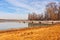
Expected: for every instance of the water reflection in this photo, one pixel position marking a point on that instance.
(37, 25)
(17, 25)
(12, 25)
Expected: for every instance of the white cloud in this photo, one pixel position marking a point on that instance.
(19, 4)
(12, 16)
(14, 8)
(40, 5)
(34, 6)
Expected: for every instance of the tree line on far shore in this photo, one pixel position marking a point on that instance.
(52, 12)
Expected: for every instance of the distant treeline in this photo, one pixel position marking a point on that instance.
(52, 12)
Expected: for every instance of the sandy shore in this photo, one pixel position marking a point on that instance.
(35, 33)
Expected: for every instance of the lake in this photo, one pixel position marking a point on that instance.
(18, 25)
(12, 25)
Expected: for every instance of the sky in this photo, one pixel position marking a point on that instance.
(19, 9)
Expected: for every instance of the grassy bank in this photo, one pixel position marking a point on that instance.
(51, 32)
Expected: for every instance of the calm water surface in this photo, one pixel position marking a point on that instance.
(17, 25)
(12, 25)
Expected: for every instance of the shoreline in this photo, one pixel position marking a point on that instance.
(27, 28)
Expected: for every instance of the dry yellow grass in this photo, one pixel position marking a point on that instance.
(49, 33)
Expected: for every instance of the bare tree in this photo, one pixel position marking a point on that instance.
(35, 16)
(59, 11)
(51, 10)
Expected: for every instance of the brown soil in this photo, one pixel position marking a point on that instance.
(34, 33)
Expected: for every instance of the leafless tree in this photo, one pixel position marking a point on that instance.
(59, 11)
(51, 10)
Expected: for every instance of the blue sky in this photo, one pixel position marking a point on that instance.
(19, 9)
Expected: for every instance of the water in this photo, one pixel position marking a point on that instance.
(37, 25)
(12, 25)
(17, 25)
